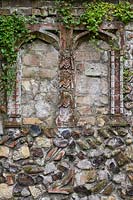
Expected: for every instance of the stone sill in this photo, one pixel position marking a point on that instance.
(12, 125)
(118, 121)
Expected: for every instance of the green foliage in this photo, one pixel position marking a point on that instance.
(94, 14)
(123, 12)
(65, 15)
(12, 29)
(127, 74)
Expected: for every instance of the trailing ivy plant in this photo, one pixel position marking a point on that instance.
(94, 14)
(12, 29)
(65, 13)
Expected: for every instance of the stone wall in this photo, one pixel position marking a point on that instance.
(128, 65)
(68, 133)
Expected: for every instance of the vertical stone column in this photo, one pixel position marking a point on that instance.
(116, 86)
(112, 82)
(66, 116)
(14, 102)
(117, 75)
(117, 83)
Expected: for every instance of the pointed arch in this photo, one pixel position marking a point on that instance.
(45, 36)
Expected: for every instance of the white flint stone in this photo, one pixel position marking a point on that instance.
(84, 164)
(5, 191)
(43, 142)
(49, 168)
(36, 191)
(42, 109)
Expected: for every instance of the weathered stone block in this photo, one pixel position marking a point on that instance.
(52, 11)
(22, 153)
(30, 72)
(4, 152)
(47, 73)
(5, 191)
(31, 60)
(26, 85)
(95, 69)
(86, 176)
(87, 85)
(36, 191)
(33, 121)
(43, 142)
(87, 56)
(86, 120)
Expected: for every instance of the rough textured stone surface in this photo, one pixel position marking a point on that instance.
(43, 142)
(22, 153)
(4, 151)
(36, 191)
(1, 127)
(5, 191)
(71, 145)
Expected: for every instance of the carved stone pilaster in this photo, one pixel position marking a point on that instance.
(66, 90)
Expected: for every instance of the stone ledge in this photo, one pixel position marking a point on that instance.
(30, 121)
(12, 125)
(118, 121)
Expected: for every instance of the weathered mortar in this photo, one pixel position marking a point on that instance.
(91, 160)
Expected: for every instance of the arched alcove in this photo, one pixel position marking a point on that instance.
(39, 62)
(35, 97)
(92, 62)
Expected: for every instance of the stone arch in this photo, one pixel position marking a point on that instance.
(86, 33)
(45, 36)
(114, 73)
(14, 103)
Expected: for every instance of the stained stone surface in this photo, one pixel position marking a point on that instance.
(91, 160)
